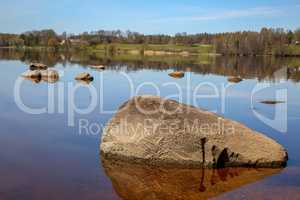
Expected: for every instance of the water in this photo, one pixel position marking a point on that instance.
(50, 155)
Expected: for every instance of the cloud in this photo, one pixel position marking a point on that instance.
(251, 12)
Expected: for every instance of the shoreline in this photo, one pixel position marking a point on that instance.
(135, 50)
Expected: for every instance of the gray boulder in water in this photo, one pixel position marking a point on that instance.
(156, 131)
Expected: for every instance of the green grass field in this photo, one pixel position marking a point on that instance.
(193, 49)
(294, 50)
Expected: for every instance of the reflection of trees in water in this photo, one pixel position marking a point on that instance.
(246, 67)
(294, 73)
(50, 58)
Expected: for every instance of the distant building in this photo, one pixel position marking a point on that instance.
(297, 43)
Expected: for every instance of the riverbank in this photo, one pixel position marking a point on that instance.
(161, 50)
(181, 50)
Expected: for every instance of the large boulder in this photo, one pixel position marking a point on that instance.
(156, 131)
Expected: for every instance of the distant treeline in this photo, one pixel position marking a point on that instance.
(278, 41)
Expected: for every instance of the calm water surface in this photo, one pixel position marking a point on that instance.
(43, 157)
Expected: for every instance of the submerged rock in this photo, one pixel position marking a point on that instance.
(156, 131)
(84, 76)
(177, 74)
(35, 66)
(235, 79)
(134, 182)
(271, 102)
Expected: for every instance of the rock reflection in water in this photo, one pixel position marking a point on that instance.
(132, 181)
(33, 79)
(46, 79)
(84, 82)
(50, 79)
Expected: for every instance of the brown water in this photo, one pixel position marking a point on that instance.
(42, 156)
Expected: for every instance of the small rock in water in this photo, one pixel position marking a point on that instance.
(177, 74)
(235, 79)
(36, 76)
(84, 76)
(40, 66)
(156, 131)
(98, 67)
(272, 102)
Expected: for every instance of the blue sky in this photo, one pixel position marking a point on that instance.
(148, 16)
